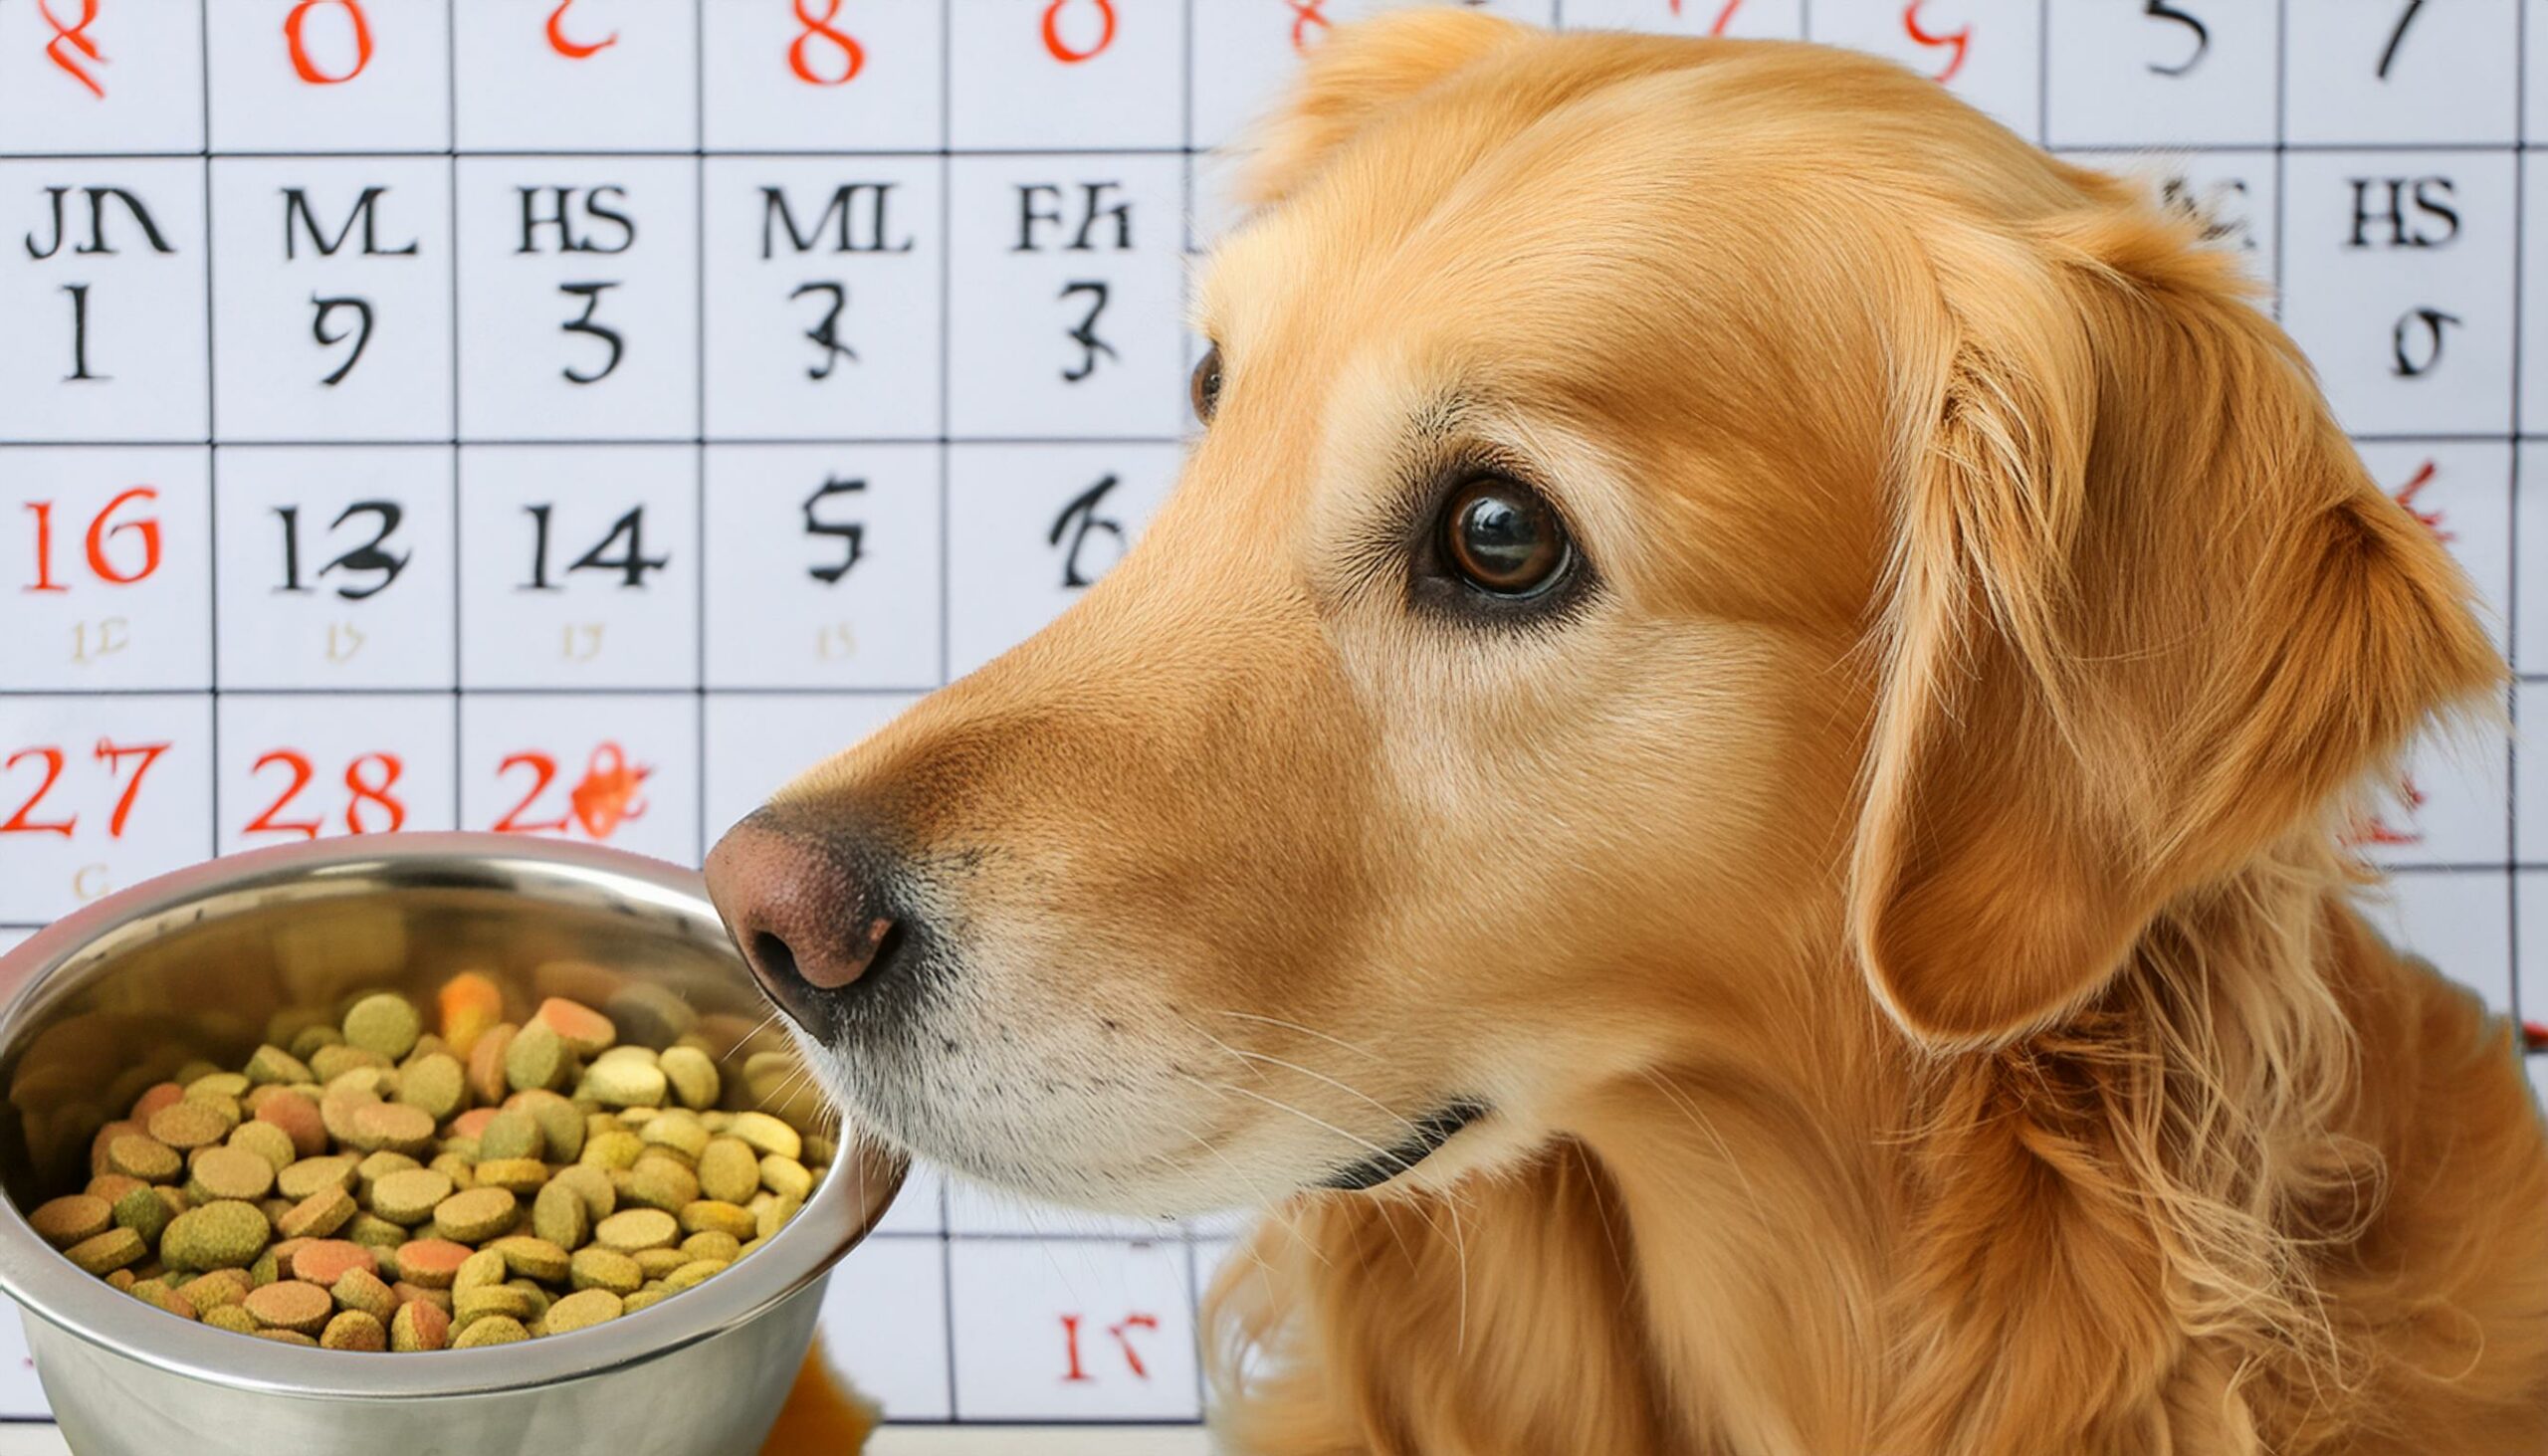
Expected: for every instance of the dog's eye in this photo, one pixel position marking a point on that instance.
(1205, 386)
(1503, 537)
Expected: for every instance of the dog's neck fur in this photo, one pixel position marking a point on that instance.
(2062, 1247)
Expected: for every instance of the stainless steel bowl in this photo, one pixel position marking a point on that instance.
(193, 963)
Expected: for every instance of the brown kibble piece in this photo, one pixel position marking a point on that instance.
(585, 1031)
(76, 1218)
(493, 1330)
(479, 1214)
(487, 1062)
(316, 1217)
(393, 1126)
(232, 1173)
(355, 1330)
(290, 1305)
(410, 1198)
(362, 1289)
(145, 1158)
(187, 1124)
(632, 1229)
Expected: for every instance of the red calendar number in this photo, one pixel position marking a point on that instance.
(304, 64)
(1078, 1371)
(1957, 42)
(53, 761)
(2406, 496)
(2376, 830)
(1308, 13)
(370, 782)
(846, 55)
(573, 49)
(73, 37)
(1724, 17)
(600, 801)
(1062, 49)
(110, 559)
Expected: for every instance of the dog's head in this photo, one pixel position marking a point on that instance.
(1688, 534)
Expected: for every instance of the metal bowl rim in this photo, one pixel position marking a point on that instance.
(49, 1287)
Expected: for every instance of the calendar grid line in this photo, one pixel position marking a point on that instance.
(945, 569)
(459, 527)
(698, 403)
(211, 471)
(2512, 541)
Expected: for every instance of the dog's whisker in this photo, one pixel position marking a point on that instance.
(1277, 1021)
(1349, 1091)
(1280, 1105)
(746, 1038)
(1689, 1108)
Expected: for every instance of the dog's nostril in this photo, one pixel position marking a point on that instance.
(776, 962)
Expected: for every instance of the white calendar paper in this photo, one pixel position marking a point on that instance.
(571, 418)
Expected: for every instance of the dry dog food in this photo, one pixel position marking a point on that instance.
(377, 1184)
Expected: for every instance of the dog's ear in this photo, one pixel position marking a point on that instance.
(2146, 612)
(1354, 76)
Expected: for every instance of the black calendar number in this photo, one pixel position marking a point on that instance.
(99, 242)
(342, 320)
(591, 293)
(621, 550)
(850, 534)
(1084, 332)
(2194, 30)
(2398, 37)
(2220, 206)
(1079, 521)
(370, 559)
(833, 295)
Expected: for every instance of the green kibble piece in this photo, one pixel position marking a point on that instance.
(156, 1293)
(709, 1244)
(538, 1058)
(768, 1135)
(625, 1082)
(538, 1297)
(693, 1075)
(477, 1215)
(533, 1258)
(558, 1215)
(435, 1083)
(641, 1300)
(266, 1140)
(600, 1268)
(273, 1066)
(233, 1317)
(661, 1183)
(385, 1025)
(512, 1132)
(266, 1269)
(317, 1176)
(562, 1124)
(229, 1086)
(682, 1132)
(332, 1062)
(786, 1177)
(728, 1170)
(355, 1330)
(115, 1249)
(492, 1330)
(582, 1310)
(375, 1232)
(480, 1270)
(137, 1155)
(600, 1195)
(208, 1292)
(75, 1219)
(410, 1195)
(617, 1148)
(223, 1235)
(656, 1263)
(633, 1229)
(488, 1299)
(362, 1289)
(310, 1041)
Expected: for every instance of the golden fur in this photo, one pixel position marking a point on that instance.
(1900, 922)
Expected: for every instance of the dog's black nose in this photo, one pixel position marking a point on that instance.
(804, 915)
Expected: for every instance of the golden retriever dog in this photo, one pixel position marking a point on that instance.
(1727, 787)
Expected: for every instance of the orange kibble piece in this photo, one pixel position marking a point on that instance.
(468, 1005)
(299, 1116)
(324, 1261)
(585, 1031)
(289, 1304)
(160, 1095)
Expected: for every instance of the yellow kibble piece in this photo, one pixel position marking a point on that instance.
(582, 1310)
(233, 1317)
(617, 1148)
(493, 1330)
(495, 1300)
(708, 1215)
(711, 1245)
(77, 1218)
(692, 1275)
(138, 1156)
(633, 1229)
(533, 1258)
(693, 1075)
(515, 1177)
(786, 1177)
(559, 1216)
(679, 1130)
(728, 1170)
(478, 1271)
(115, 1249)
(223, 1235)
(384, 1025)
(600, 1268)
(411, 1196)
(354, 1329)
(477, 1215)
(362, 1289)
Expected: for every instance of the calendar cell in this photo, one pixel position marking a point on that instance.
(922, 1206)
(824, 297)
(2461, 490)
(757, 742)
(306, 76)
(620, 769)
(582, 76)
(1034, 527)
(100, 76)
(825, 76)
(823, 566)
(2459, 919)
(332, 299)
(2401, 71)
(975, 1210)
(578, 298)
(2530, 784)
(2529, 536)
(1058, 75)
(102, 280)
(1989, 52)
(2232, 193)
(1073, 1330)
(1244, 57)
(2533, 343)
(579, 566)
(2126, 72)
(2398, 282)
(296, 767)
(98, 792)
(1773, 20)
(105, 568)
(337, 567)
(1065, 276)
(884, 1325)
